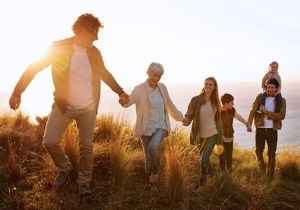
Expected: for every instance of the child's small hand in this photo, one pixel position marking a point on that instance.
(263, 108)
(249, 128)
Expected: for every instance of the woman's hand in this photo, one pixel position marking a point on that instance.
(185, 121)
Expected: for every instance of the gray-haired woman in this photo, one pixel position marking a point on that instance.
(153, 106)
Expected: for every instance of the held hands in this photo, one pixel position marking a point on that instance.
(14, 102)
(123, 99)
(185, 121)
(249, 128)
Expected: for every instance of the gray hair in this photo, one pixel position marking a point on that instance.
(155, 67)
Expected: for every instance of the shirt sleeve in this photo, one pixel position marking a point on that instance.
(240, 118)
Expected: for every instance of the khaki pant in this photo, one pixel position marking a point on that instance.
(55, 127)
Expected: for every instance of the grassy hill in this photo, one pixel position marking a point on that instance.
(27, 173)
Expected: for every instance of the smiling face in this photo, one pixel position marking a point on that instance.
(273, 68)
(154, 77)
(155, 71)
(271, 90)
(209, 86)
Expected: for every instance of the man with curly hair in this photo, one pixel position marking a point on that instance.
(267, 123)
(77, 72)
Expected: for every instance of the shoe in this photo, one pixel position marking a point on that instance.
(262, 166)
(203, 180)
(84, 191)
(85, 197)
(147, 187)
(270, 173)
(151, 187)
(198, 188)
(153, 179)
(85, 194)
(61, 178)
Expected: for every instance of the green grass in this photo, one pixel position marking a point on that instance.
(27, 172)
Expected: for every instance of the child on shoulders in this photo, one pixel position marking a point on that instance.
(272, 73)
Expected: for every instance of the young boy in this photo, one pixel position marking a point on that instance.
(271, 73)
(228, 112)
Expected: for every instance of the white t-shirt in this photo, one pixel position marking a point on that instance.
(80, 92)
(207, 118)
(270, 106)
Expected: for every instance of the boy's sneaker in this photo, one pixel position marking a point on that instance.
(200, 186)
(85, 196)
(151, 187)
(84, 191)
(61, 178)
(262, 166)
(153, 179)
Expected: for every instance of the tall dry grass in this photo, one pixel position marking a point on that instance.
(180, 164)
(289, 164)
(26, 172)
(15, 142)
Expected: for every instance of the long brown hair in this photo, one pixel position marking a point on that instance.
(215, 100)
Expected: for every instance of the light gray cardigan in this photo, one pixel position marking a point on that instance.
(141, 98)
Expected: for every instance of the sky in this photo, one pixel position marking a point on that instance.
(232, 40)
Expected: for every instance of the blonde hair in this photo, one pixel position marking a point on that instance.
(273, 62)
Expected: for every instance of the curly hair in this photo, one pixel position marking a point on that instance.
(86, 21)
(272, 81)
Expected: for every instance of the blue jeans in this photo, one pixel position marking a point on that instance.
(208, 147)
(151, 147)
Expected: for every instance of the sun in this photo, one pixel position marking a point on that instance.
(38, 97)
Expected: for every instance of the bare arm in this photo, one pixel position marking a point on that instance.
(240, 118)
(132, 98)
(111, 82)
(108, 78)
(26, 78)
